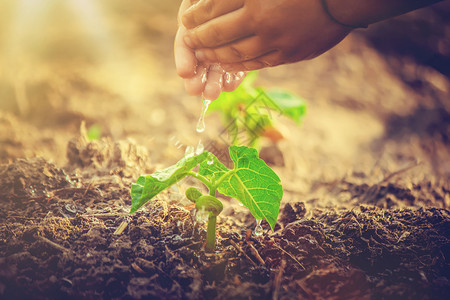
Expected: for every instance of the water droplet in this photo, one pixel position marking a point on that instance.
(189, 152)
(200, 148)
(32, 191)
(204, 76)
(210, 158)
(202, 216)
(238, 75)
(258, 229)
(227, 77)
(201, 120)
(178, 144)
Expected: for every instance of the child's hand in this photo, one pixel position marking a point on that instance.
(201, 79)
(245, 35)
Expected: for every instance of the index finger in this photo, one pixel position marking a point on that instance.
(206, 10)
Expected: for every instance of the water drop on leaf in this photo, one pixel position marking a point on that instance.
(258, 229)
(200, 148)
(201, 216)
(210, 159)
(189, 152)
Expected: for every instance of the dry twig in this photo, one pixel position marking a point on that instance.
(121, 228)
(242, 251)
(277, 281)
(256, 254)
(290, 255)
(407, 168)
(53, 244)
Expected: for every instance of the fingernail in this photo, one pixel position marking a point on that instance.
(201, 56)
(217, 68)
(188, 41)
(212, 91)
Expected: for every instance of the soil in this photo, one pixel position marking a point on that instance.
(365, 212)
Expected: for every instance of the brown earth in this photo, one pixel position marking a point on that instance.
(366, 177)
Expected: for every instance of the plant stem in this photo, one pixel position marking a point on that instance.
(212, 187)
(202, 179)
(222, 179)
(211, 234)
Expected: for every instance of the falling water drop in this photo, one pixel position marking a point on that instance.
(202, 216)
(200, 148)
(178, 144)
(201, 120)
(189, 152)
(258, 229)
(195, 216)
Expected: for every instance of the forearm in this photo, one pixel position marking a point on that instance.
(365, 12)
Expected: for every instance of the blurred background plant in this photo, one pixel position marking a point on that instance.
(250, 113)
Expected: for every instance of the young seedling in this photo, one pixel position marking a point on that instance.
(251, 182)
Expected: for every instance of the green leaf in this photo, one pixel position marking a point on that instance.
(94, 132)
(288, 104)
(212, 168)
(254, 184)
(148, 186)
(193, 194)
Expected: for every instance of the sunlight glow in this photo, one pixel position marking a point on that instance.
(24, 15)
(50, 38)
(94, 22)
(33, 25)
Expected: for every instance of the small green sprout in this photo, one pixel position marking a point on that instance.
(94, 132)
(251, 182)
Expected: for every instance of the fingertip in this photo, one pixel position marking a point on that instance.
(193, 87)
(196, 84)
(185, 72)
(185, 62)
(212, 91)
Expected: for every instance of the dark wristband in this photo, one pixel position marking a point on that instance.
(327, 11)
